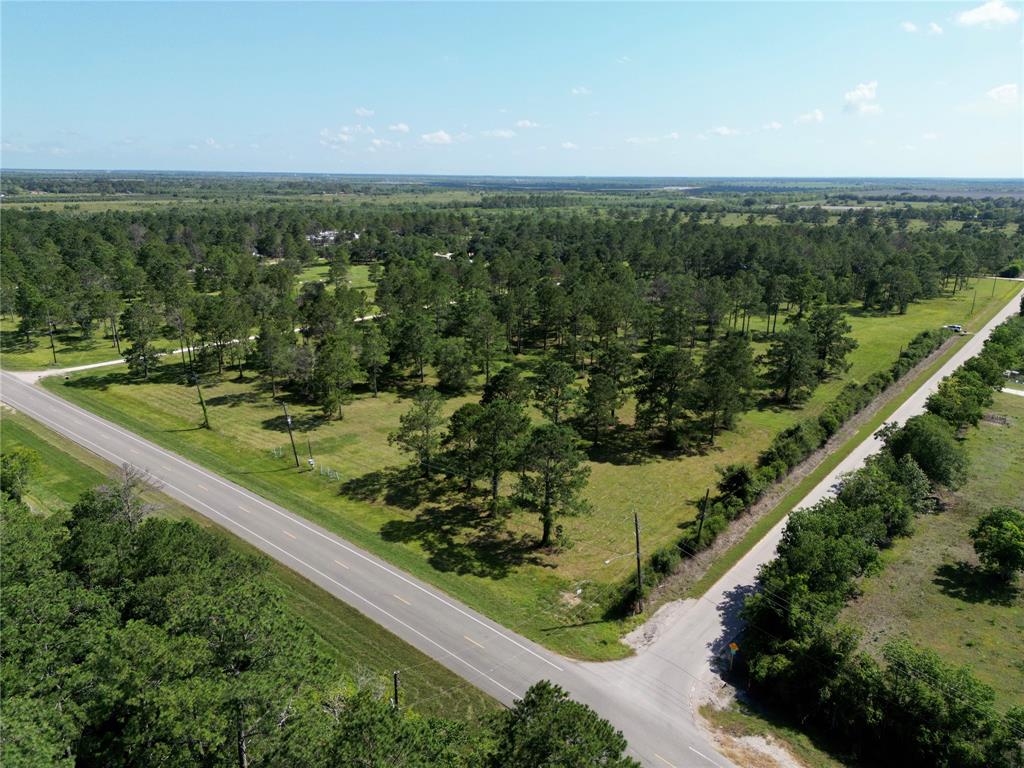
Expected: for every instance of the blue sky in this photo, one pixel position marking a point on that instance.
(727, 89)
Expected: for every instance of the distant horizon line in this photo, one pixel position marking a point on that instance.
(479, 175)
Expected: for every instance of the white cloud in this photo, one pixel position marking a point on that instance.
(990, 14)
(672, 136)
(213, 144)
(357, 128)
(724, 130)
(399, 128)
(437, 137)
(527, 124)
(814, 116)
(774, 125)
(862, 99)
(569, 145)
(1004, 94)
(863, 92)
(363, 112)
(930, 136)
(8, 146)
(580, 90)
(934, 29)
(499, 133)
(908, 26)
(334, 140)
(376, 144)
(623, 60)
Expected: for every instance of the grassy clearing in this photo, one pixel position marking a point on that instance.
(72, 348)
(931, 588)
(358, 277)
(364, 650)
(739, 721)
(972, 322)
(83, 204)
(376, 501)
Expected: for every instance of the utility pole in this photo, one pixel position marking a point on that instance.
(993, 287)
(309, 449)
(700, 517)
(639, 572)
(973, 300)
(288, 421)
(202, 403)
(394, 701)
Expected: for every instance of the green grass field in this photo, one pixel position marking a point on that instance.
(931, 588)
(72, 349)
(364, 650)
(358, 276)
(377, 502)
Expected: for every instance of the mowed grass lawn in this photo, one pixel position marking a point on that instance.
(374, 499)
(358, 277)
(931, 588)
(72, 348)
(364, 651)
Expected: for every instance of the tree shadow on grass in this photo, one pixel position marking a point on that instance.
(236, 399)
(302, 422)
(770, 401)
(160, 374)
(402, 487)
(622, 446)
(972, 584)
(464, 539)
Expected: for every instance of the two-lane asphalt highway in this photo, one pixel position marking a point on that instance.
(647, 696)
(653, 713)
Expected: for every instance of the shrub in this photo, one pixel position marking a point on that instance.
(999, 541)
(665, 560)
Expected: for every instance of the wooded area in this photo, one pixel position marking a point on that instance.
(911, 708)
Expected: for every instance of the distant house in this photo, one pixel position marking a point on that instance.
(323, 237)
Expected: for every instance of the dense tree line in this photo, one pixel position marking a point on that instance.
(652, 306)
(910, 709)
(131, 640)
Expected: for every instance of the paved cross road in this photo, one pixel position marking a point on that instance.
(649, 696)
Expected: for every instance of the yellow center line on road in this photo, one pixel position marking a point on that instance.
(666, 762)
(338, 562)
(133, 450)
(290, 534)
(401, 598)
(474, 642)
(202, 487)
(244, 509)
